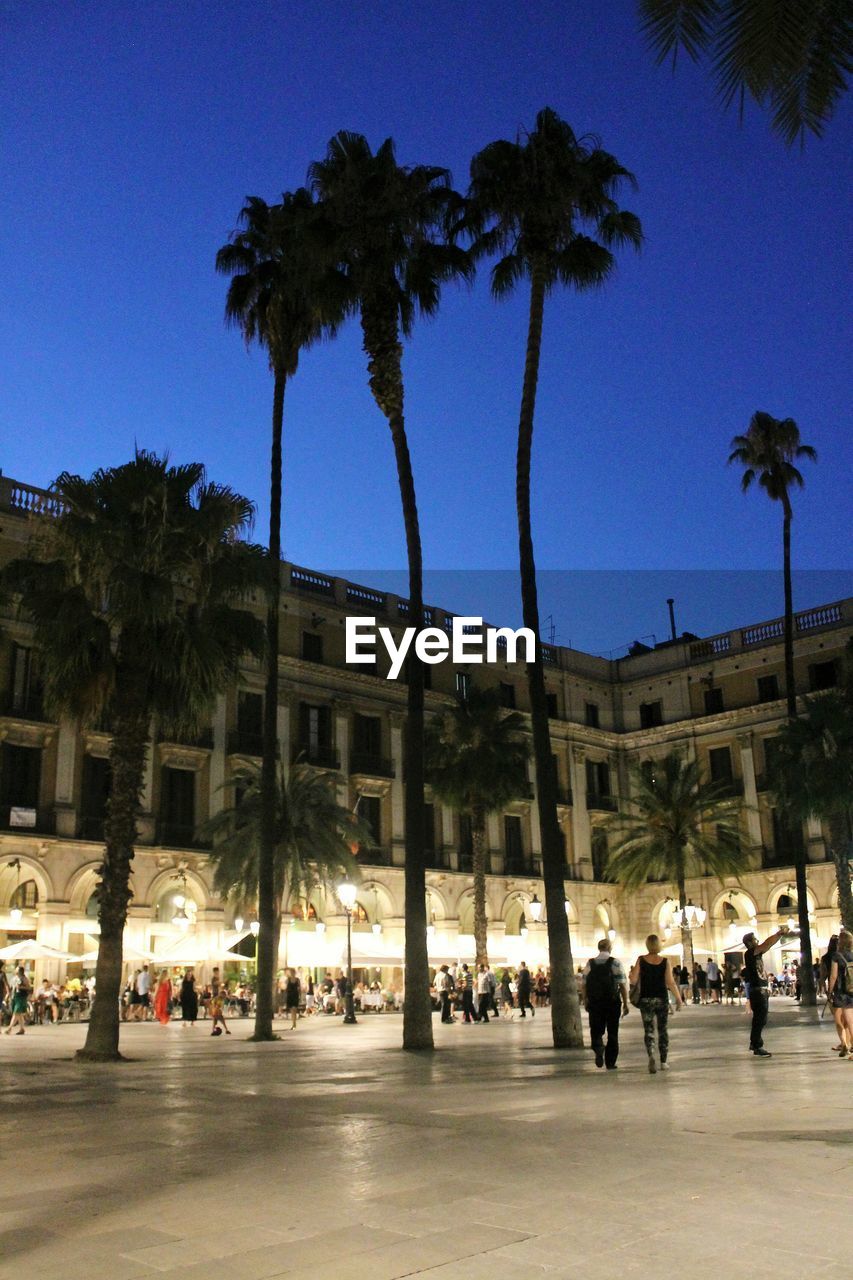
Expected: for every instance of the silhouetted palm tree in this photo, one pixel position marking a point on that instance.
(768, 452)
(546, 204)
(389, 226)
(284, 295)
(475, 761)
(132, 589)
(790, 55)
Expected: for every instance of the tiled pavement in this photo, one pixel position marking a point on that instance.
(335, 1156)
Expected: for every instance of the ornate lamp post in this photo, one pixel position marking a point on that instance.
(346, 895)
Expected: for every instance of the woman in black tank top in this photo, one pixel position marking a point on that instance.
(653, 975)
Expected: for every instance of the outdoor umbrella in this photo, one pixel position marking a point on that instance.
(32, 949)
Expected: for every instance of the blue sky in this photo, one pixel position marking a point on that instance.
(133, 132)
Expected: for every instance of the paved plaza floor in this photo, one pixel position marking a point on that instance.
(334, 1156)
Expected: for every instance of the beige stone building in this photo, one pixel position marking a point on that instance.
(717, 698)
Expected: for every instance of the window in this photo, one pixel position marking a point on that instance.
(771, 749)
(312, 647)
(95, 794)
(720, 764)
(553, 710)
(822, 675)
(315, 727)
(250, 722)
(429, 828)
(25, 686)
(590, 712)
(177, 806)
(507, 694)
(600, 853)
(787, 837)
(768, 688)
(513, 842)
(651, 714)
(466, 841)
(20, 776)
(370, 813)
(26, 896)
(463, 685)
(367, 735)
(713, 701)
(598, 778)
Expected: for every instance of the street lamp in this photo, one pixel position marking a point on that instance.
(15, 912)
(535, 908)
(238, 924)
(346, 894)
(255, 926)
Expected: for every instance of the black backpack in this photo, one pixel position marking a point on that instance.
(601, 984)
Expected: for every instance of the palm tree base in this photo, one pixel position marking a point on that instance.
(415, 1046)
(262, 1038)
(99, 1055)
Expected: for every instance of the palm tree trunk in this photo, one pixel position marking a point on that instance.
(478, 842)
(840, 840)
(384, 364)
(686, 933)
(565, 1006)
(808, 992)
(127, 763)
(266, 850)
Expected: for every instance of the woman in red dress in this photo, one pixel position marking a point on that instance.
(163, 998)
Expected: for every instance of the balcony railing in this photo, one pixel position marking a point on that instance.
(466, 863)
(26, 820)
(729, 787)
(181, 738)
(245, 743)
(375, 856)
(779, 857)
(312, 583)
(518, 865)
(324, 757)
(180, 835)
(90, 828)
(564, 797)
(437, 859)
(373, 766)
(596, 801)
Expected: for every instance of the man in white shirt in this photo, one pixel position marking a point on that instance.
(143, 988)
(714, 984)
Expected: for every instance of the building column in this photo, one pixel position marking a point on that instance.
(284, 729)
(750, 792)
(535, 825)
(63, 796)
(448, 843)
(581, 832)
(398, 807)
(146, 820)
(217, 757)
(494, 848)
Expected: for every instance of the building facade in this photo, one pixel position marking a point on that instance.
(718, 699)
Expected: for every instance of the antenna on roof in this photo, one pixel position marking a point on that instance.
(671, 602)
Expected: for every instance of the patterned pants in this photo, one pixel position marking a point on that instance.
(649, 1010)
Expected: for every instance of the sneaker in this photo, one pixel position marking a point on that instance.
(653, 1066)
(844, 1052)
(762, 1053)
(611, 1066)
(599, 1057)
(664, 1066)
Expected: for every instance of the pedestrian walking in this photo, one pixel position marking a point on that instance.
(189, 999)
(841, 991)
(143, 993)
(20, 1001)
(292, 997)
(443, 985)
(655, 978)
(466, 984)
(606, 1001)
(505, 995)
(218, 991)
(759, 993)
(524, 984)
(484, 992)
(163, 998)
(682, 977)
(715, 982)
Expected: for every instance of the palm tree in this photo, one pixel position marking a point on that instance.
(665, 832)
(475, 760)
(811, 776)
(132, 589)
(284, 295)
(792, 57)
(768, 452)
(546, 204)
(314, 836)
(388, 224)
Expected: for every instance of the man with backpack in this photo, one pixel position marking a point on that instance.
(606, 1001)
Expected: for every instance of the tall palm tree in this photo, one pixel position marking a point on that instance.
(545, 203)
(132, 588)
(790, 55)
(314, 836)
(475, 760)
(811, 776)
(676, 826)
(284, 295)
(389, 225)
(768, 453)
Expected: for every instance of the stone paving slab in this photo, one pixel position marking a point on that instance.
(335, 1156)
